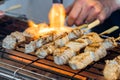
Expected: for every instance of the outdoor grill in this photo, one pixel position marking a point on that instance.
(15, 64)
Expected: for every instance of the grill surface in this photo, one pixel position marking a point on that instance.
(28, 66)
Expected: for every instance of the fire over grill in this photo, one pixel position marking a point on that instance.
(29, 66)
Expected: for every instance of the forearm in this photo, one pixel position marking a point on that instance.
(113, 4)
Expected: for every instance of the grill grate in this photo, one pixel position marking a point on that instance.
(31, 66)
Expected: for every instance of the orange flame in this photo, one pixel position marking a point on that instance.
(56, 19)
(57, 16)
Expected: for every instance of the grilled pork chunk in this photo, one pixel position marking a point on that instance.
(9, 42)
(76, 46)
(98, 51)
(60, 42)
(12, 40)
(81, 61)
(109, 43)
(74, 34)
(84, 41)
(45, 50)
(62, 55)
(30, 47)
(86, 58)
(112, 69)
(93, 37)
(45, 39)
(19, 36)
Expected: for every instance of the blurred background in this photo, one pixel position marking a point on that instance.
(37, 10)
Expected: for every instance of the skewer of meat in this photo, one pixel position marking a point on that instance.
(14, 39)
(78, 44)
(33, 45)
(94, 52)
(53, 37)
(74, 34)
(72, 46)
(112, 69)
(40, 53)
(75, 46)
(62, 38)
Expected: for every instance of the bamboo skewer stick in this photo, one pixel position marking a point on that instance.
(117, 38)
(93, 24)
(13, 8)
(114, 28)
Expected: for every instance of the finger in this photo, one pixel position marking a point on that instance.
(74, 13)
(93, 15)
(68, 9)
(102, 16)
(82, 16)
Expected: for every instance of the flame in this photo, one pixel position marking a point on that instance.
(57, 16)
(56, 20)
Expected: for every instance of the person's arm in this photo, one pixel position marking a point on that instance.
(86, 11)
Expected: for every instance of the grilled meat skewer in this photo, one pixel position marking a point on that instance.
(14, 39)
(40, 42)
(75, 46)
(59, 39)
(97, 50)
(74, 34)
(81, 43)
(63, 38)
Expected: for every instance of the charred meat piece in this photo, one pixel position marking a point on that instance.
(86, 58)
(72, 35)
(30, 47)
(75, 46)
(112, 69)
(81, 61)
(78, 44)
(93, 37)
(62, 55)
(15, 39)
(9, 42)
(109, 43)
(19, 36)
(62, 40)
(45, 50)
(43, 40)
(97, 50)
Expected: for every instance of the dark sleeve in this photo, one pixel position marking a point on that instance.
(113, 20)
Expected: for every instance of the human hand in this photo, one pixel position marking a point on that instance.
(1, 14)
(86, 11)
